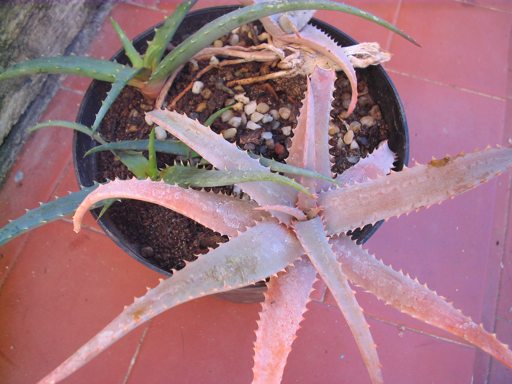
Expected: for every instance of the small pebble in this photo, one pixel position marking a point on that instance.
(160, 133)
(218, 44)
(229, 133)
(375, 112)
(249, 147)
(147, 252)
(229, 102)
(227, 115)
(252, 125)
(345, 104)
(134, 113)
(269, 143)
(340, 143)
(132, 128)
(250, 107)
(238, 106)
(287, 130)
(364, 101)
(214, 60)
(234, 39)
(276, 124)
(333, 129)
(353, 159)
(367, 121)
(348, 137)
(262, 108)
(239, 88)
(354, 145)
(206, 93)
(355, 126)
(274, 114)
(266, 118)
(235, 121)
(279, 149)
(19, 176)
(197, 87)
(288, 142)
(266, 135)
(242, 98)
(256, 116)
(284, 113)
(244, 118)
(201, 107)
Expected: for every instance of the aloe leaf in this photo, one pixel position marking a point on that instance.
(172, 147)
(123, 77)
(199, 177)
(164, 35)
(44, 214)
(231, 265)
(224, 24)
(129, 49)
(68, 124)
(225, 214)
(152, 169)
(106, 205)
(72, 65)
(214, 116)
(135, 162)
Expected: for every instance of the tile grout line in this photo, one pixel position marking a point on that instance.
(481, 6)
(136, 353)
(436, 82)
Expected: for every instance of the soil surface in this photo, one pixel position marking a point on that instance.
(167, 238)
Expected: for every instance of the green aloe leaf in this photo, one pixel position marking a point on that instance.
(152, 169)
(135, 162)
(68, 124)
(44, 214)
(164, 35)
(276, 166)
(129, 49)
(71, 65)
(172, 147)
(224, 24)
(123, 77)
(198, 177)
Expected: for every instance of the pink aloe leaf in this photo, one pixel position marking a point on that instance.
(223, 155)
(411, 189)
(310, 143)
(312, 236)
(317, 40)
(378, 163)
(280, 317)
(411, 297)
(261, 251)
(224, 214)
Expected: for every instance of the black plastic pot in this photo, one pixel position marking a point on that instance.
(382, 91)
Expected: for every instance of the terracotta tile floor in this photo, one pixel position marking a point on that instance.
(58, 289)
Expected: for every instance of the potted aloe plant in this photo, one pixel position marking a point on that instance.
(292, 228)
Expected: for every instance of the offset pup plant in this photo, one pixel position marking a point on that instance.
(289, 233)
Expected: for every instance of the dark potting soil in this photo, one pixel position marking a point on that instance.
(167, 238)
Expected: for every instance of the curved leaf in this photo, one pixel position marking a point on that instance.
(72, 65)
(172, 147)
(129, 49)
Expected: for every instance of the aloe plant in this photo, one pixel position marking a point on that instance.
(290, 230)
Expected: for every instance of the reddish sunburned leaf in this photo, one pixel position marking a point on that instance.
(411, 297)
(281, 313)
(261, 251)
(223, 155)
(378, 163)
(221, 213)
(317, 40)
(312, 237)
(411, 189)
